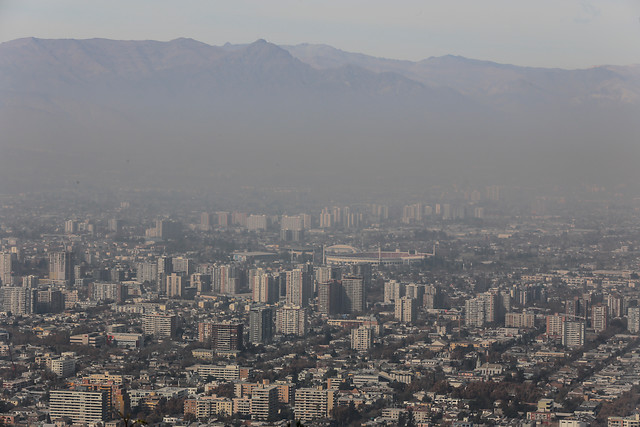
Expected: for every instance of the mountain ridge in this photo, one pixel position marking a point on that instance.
(245, 110)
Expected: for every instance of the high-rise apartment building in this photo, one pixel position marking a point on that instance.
(49, 301)
(415, 291)
(116, 292)
(160, 325)
(330, 297)
(554, 325)
(264, 402)
(615, 304)
(205, 221)
(230, 279)
(393, 290)
(257, 222)
(79, 406)
(292, 228)
(474, 313)
(299, 287)
(223, 336)
(599, 317)
(165, 268)
(61, 269)
(354, 294)
(519, 320)
(175, 284)
(18, 300)
(361, 338)
(222, 219)
(260, 324)
(291, 320)
(326, 220)
(432, 297)
(572, 334)
(200, 281)
(264, 288)
(147, 272)
(406, 309)
(313, 403)
(181, 264)
(633, 320)
(7, 265)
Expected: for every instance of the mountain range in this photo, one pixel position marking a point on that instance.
(186, 113)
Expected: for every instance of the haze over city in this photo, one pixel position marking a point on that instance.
(357, 213)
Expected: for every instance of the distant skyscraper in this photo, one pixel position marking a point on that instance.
(393, 291)
(182, 265)
(239, 218)
(406, 309)
(599, 316)
(147, 272)
(49, 301)
(61, 268)
(633, 320)
(70, 226)
(474, 313)
(223, 219)
(115, 225)
(330, 297)
(7, 266)
(555, 325)
(263, 286)
(201, 281)
(491, 307)
(257, 222)
(361, 338)
(205, 221)
(299, 287)
(30, 281)
(326, 220)
(414, 291)
(432, 297)
(166, 229)
(615, 303)
(324, 274)
(412, 213)
(354, 294)
(231, 279)
(175, 285)
(18, 300)
(261, 324)
(164, 268)
(291, 320)
(159, 325)
(572, 334)
(292, 228)
(380, 212)
(223, 336)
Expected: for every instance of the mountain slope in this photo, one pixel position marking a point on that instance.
(491, 81)
(183, 113)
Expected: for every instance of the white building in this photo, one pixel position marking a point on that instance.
(361, 338)
(62, 366)
(80, 406)
(406, 309)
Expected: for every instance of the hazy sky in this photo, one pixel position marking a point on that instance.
(548, 33)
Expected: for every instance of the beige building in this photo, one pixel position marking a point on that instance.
(312, 403)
